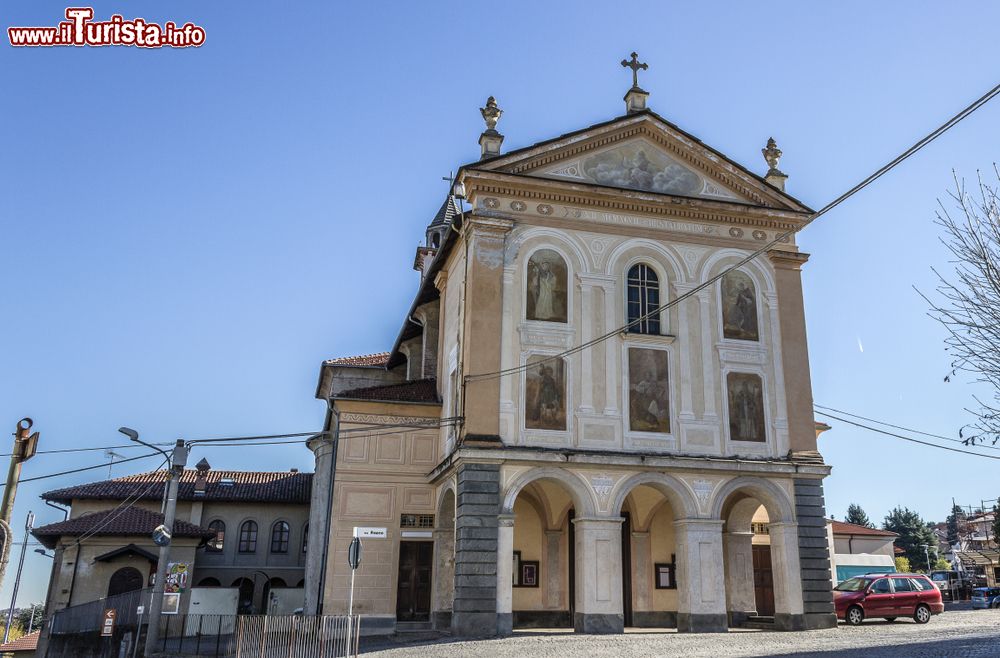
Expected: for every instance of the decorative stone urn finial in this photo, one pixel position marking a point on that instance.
(490, 140)
(772, 155)
(491, 114)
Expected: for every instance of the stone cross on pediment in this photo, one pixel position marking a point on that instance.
(635, 65)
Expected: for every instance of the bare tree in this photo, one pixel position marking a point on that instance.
(968, 303)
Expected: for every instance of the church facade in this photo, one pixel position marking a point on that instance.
(571, 430)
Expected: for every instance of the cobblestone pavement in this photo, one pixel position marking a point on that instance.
(956, 634)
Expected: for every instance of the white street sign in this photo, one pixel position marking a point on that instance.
(371, 533)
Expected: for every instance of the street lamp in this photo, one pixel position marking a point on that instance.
(41, 551)
(161, 536)
(927, 554)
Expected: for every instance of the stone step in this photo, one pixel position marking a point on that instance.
(759, 622)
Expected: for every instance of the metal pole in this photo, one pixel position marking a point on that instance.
(17, 580)
(177, 462)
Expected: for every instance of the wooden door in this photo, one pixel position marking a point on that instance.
(413, 592)
(763, 581)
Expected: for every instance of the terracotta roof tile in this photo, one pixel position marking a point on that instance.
(377, 360)
(24, 643)
(226, 486)
(419, 390)
(119, 523)
(841, 528)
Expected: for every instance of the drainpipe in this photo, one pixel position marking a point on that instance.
(331, 412)
(61, 509)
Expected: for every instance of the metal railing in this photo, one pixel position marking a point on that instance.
(219, 636)
(87, 617)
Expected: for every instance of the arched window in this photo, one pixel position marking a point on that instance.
(216, 544)
(248, 537)
(643, 300)
(126, 579)
(305, 538)
(280, 533)
(739, 307)
(209, 582)
(546, 287)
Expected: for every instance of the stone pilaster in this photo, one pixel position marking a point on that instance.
(740, 600)
(795, 353)
(477, 507)
(482, 326)
(444, 578)
(553, 569)
(701, 591)
(787, 582)
(599, 575)
(814, 555)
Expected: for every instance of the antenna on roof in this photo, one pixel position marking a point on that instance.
(111, 454)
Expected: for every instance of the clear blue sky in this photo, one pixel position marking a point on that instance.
(187, 234)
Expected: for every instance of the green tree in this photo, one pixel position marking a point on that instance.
(913, 536)
(902, 565)
(956, 525)
(857, 516)
(22, 617)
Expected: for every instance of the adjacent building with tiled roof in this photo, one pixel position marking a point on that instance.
(130, 521)
(853, 529)
(230, 486)
(22, 646)
(240, 529)
(420, 391)
(857, 549)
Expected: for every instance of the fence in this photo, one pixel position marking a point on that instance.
(77, 634)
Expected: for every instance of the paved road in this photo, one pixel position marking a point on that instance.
(957, 634)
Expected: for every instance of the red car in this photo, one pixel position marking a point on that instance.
(889, 596)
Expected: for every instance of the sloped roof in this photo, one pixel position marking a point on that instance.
(446, 212)
(221, 486)
(116, 523)
(377, 360)
(842, 528)
(27, 642)
(418, 390)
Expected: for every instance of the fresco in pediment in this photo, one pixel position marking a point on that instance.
(638, 165)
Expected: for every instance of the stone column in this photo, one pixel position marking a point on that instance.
(444, 578)
(641, 577)
(477, 506)
(787, 578)
(814, 555)
(598, 575)
(795, 353)
(505, 574)
(483, 325)
(701, 592)
(740, 599)
(553, 569)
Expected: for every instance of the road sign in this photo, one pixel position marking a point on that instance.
(371, 533)
(354, 553)
(108, 625)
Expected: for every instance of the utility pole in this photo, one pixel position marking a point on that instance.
(23, 450)
(162, 537)
(17, 581)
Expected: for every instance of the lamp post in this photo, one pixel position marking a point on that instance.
(162, 534)
(927, 554)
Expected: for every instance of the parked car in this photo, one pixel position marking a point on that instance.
(888, 596)
(986, 597)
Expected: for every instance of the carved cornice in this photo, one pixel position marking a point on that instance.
(494, 184)
(787, 260)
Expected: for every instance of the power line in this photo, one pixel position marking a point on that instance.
(920, 144)
(85, 468)
(905, 438)
(900, 427)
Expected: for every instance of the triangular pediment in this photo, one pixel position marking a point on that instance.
(643, 152)
(639, 164)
